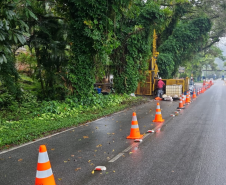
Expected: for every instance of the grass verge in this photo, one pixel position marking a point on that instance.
(19, 132)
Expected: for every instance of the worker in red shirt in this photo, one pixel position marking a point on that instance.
(160, 85)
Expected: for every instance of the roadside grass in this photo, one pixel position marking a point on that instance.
(18, 132)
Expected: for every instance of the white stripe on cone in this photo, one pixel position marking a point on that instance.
(44, 174)
(134, 126)
(43, 157)
(134, 118)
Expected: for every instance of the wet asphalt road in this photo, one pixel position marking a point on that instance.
(188, 149)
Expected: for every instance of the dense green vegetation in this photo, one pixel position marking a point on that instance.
(33, 120)
(70, 44)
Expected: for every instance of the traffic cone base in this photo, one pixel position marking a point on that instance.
(135, 137)
(159, 121)
(134, 131)
(45, 181)
(158, 98)
(181, 107)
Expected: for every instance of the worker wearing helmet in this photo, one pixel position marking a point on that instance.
(160, 85)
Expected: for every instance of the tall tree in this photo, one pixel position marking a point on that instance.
(12, 31)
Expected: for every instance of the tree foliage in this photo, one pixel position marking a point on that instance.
(75, 41)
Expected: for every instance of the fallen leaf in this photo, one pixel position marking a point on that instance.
(72, 155)
(95, 150)
(130, 152)
(106, 172)
(91, 164)
(93, 172)
(89, 161)
(98, 145)
(108, 133)
(85, 137)
(20, 160)
(10, 157)
(96, 127)
(59, 179)
(108, 158)
(79, 150)
(144, 126)
(113, 133)
(73, 130)
(69, 159)
(113, 171)
(52, 148)
(113, 150)
(77, 169)
(65, 161)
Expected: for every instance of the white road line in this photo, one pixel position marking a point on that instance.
(14, 148)
(130, 147)
(146, 135)
(115, 158)
(127, 149)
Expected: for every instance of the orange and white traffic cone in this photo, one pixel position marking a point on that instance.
(44, 175)
(187, 99)
(194, 94)
(189, 95)
(134, 131)
(158, 115)
(181, 106)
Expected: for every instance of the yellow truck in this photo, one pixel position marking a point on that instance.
(150, 85)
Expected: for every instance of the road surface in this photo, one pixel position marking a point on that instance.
(188, 149)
